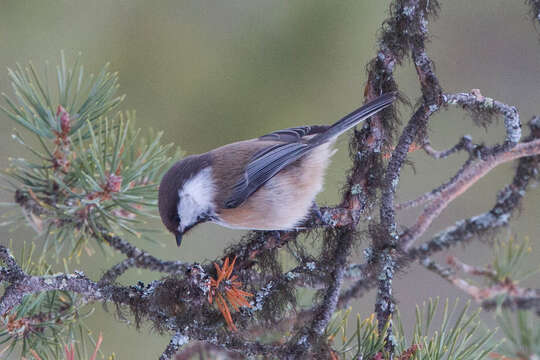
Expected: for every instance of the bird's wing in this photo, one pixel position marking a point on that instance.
(294, 134)
(267, 162)
(291, 145)
(262, 167)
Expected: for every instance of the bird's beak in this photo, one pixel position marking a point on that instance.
(178, 238)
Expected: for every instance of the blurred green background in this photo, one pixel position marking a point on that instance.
(212, 72)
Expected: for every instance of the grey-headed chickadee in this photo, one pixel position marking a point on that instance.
(268, 183)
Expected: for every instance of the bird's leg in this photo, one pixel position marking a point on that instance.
(276, 234)
(316, 216)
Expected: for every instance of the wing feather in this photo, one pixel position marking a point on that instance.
(292, 145)
(294, 134)
(263, 167)
(287, 135)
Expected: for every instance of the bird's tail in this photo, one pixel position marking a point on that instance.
(354, 118)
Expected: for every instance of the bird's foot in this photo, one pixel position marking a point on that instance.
(276, 234)
(316, 217)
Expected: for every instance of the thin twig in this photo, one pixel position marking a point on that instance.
(477, 102)
(531, 302)
(326, 309)
(468, 177)
(142, 259)
(117, 270)
(464, 144)
(503, 293)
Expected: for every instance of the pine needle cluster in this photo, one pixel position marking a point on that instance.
(88, 172)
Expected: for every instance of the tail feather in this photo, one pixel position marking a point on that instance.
(354, 118)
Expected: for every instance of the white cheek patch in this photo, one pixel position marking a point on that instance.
(196, 197)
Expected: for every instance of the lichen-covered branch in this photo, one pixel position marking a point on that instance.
(500, 293)
(142, 259)
(204, 348)
(507, 199)
(21, 284)
(184, 302)
(416, 13)
(177, 341)
(323, 313)
(527, 302)
(465, 230)
(117, 270)
(535, 9)
(467, 178)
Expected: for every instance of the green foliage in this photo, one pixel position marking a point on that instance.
(521, 328)
(511, 259)
(522, 333)
(89, 171)
(44, 323)
(457, 338)
(364, 343)
(89, 174)
(35, 108)
(47, 321)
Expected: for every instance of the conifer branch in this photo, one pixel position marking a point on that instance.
(92, 180)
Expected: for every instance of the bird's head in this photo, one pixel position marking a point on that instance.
(186, 195)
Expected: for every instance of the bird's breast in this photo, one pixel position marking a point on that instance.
(285, 200)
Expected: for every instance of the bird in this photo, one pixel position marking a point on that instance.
(266, 183)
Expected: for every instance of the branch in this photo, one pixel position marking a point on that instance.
(149, 302)
(200, 348)
(258, 242)
(142, 259)
(11, 272)
(177, 341)
(464, 230)
(503, 293)
(476, 102)
(113, 273)
(464, 144)
(469, 176)
(23, 284)
(508, 200)
(404, 33)
(529, 302)
(416, 13)
(323, 313)
(535, 9)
